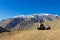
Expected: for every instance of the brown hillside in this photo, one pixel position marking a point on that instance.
(32, 35)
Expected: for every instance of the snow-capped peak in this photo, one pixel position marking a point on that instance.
(18, 16)
(32, 15)
(46, 14)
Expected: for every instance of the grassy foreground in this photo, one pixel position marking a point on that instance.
(32, 35)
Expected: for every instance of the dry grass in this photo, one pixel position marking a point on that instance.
(54, 24)
(32, 35)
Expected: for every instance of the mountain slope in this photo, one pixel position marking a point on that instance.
(27, 22)
(32, 35)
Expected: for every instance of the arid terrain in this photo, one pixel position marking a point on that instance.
(32, 35)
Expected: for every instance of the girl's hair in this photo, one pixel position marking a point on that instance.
(40, 21)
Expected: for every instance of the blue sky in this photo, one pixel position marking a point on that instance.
(10, 8)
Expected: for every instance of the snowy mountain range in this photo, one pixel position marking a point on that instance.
(32, 15)
(49, 17)
(21, 22)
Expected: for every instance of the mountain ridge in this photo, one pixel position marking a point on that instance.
(26, 22)
(32, 15)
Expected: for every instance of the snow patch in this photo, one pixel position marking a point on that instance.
(32, 15)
